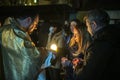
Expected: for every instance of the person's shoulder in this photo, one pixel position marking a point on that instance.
(5, 27)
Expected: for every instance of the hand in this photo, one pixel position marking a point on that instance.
(53, 52)
(75, 61)
(63, 61)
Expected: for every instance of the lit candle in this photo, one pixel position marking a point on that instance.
(53, 47)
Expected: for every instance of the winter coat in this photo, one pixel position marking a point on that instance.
(103, 62)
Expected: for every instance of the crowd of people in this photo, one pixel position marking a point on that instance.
(85, 50)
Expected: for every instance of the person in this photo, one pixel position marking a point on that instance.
(55, 35)
(51, 67)
(66, 33)
(103, 62)
(21, 58)
(37, 35)
(75, 59)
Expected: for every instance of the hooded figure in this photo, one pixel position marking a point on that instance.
(21, 58)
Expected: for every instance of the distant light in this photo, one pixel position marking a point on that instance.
(35, 1)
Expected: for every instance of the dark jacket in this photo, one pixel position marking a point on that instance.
(103, 63)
